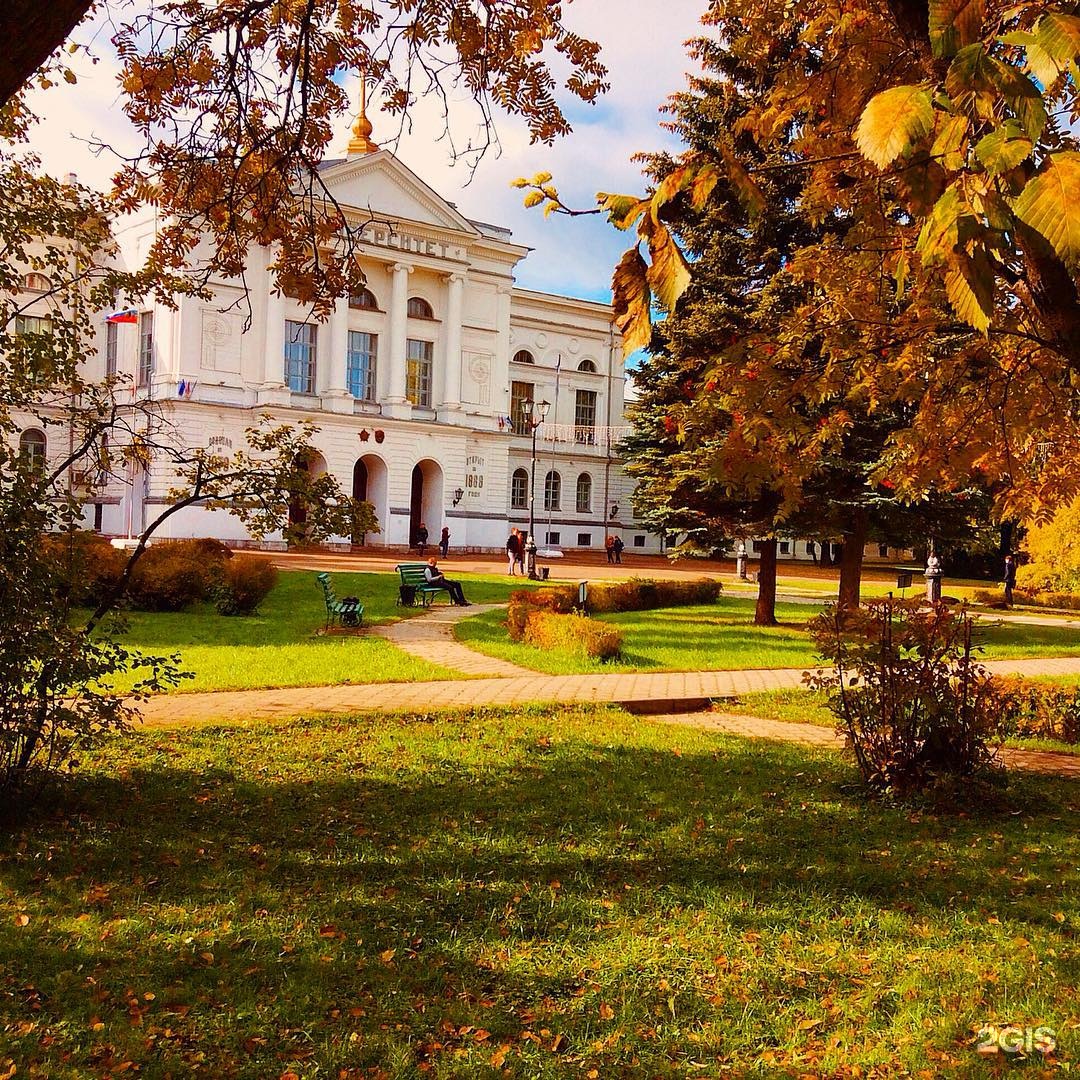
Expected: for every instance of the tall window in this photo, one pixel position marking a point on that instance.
(418, 357)
(519, 392)
(111, 348)
(519, 490)
(523, 356)
(552, 491)
(585, 417)
(587, 365)
(360, 367)
(32, 446)
(300, 343)
(146, 348)
(584, 493)
(419, 308)
(364, 300)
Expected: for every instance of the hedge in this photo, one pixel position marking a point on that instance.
(1038, 710)
(576, 634)
(1065, 601)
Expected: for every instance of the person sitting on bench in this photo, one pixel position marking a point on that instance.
(434, 576)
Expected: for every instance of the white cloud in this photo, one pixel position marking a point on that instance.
(644, 51)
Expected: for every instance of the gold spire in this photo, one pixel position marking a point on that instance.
(361, 142)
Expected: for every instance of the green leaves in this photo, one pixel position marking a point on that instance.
(622, 210)
(893, 122)
(1059, 36)
(955, 23)
(1050, 204)
(1003, 149)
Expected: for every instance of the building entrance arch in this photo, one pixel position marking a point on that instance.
(426, 501)
(370, 485)
(314, 464)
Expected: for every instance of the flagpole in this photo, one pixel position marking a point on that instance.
(554, 429)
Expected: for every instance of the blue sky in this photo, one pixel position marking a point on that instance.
(644, 50)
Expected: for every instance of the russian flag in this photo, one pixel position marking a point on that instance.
(129, 316)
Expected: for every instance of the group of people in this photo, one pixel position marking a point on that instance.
(422, 540)
(515, 552)
(614, 545)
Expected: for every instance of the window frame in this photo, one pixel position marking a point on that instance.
(364, 292)
(112, 348)
(300, 357)
(144, 374)
(361, 365)
(516, 358)
(416, 307)
(519, 475)
(519, 425)
(34, 447)
(585, 433)
(584, 506)
(420, 373)
(553, 491)
(588, 367)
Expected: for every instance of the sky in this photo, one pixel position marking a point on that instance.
(644, 51)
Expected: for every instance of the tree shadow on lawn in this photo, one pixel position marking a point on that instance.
(493, 880)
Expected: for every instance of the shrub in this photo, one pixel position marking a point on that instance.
(243, 584)
(1065, 601)
(915, 708)
(524, 602)
(86, 565)
(1034, 710)
(577, 634)
(644, 594)
(173, 575)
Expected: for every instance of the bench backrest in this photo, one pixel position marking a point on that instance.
(327, 588)
(412, 573)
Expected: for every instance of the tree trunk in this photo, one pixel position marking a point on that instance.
(851, 560)
(765, 612)
(826, 553)
(30, 31)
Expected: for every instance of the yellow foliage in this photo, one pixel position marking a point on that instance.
(1054, 551)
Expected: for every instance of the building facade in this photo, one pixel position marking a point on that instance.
(415, 384)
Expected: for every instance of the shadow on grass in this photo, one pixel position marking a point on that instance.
(415, 880)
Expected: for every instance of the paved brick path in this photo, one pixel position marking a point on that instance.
(655, 692)
(754, 727)
(431, 637)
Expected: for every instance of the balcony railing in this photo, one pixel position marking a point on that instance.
(578, 435)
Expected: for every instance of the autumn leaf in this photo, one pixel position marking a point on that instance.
(893, 122)
(606, 1011)
(954, 23)
(1058, 35)
(1003, 149)
(1050, 204)
(22, 920)
(631, 300)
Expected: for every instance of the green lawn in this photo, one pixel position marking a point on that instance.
(551, 894)
(722, 636)
(280, 646)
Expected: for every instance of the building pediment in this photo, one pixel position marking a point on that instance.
(380, 185)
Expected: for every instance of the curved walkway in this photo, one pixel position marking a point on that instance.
(431, 637)
(755, 727)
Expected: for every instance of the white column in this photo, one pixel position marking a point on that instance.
(338, 334)
(452, 367)
(399, 301)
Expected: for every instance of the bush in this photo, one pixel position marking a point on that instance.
(1031, 710)
(86, 565)
(573, 633)
(916, 709)
(173, 575)
(244, 583)
(1065, 601)
(640, 594)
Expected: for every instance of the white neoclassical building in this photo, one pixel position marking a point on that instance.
(415, 384)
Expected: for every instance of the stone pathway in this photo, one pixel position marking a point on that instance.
(755, 727)
(431, 637)
(664, 691)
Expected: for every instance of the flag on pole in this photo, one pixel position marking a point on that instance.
(129, 316)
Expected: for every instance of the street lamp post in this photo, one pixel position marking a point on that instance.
(534, 413)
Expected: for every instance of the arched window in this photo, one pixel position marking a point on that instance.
(519, 490)
(32, 446)
(419, 308)
(523, 356)
(584, 493)
(587, 365)
(364, 300)
(36, 283)
(552, 491)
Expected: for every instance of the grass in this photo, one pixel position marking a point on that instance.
(280, 646)
(722, 636)
(547, 894)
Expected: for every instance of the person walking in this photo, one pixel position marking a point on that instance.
(421, 538)
(609, 545)
(434, 576)
(444, 542)
(1010, 578)
(513, 550)
(617, 547)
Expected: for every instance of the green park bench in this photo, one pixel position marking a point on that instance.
(349, 612)
(414, 585)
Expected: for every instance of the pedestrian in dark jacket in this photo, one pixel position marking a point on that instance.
(421, 538)
(617, 547)
(1010, 578)
(444, 542)
(513, 550)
